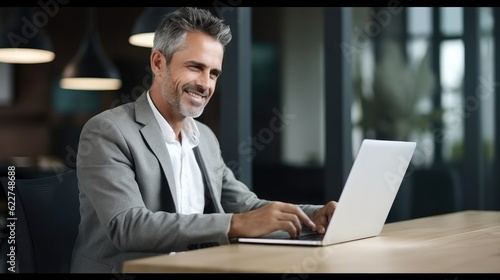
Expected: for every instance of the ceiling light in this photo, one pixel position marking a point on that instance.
(145, 26)
(91, 69)
(23, 40)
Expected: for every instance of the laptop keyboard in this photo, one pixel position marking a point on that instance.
(307, 234)
(311, 236)
(304, 236)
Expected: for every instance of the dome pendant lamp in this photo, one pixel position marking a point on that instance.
(23, 40)
(90, 69)
(145, 26)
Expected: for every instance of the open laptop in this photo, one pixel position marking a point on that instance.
(366, 199)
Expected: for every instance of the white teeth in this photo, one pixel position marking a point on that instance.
(194, 95)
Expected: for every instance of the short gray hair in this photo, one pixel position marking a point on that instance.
(170, 34)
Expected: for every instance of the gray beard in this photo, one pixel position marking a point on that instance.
(182, 108)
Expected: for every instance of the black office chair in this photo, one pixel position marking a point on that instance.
(48, 215)
(436, 190)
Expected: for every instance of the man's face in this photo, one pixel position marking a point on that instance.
(192, 74)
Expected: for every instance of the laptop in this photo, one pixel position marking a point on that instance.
(366, 199)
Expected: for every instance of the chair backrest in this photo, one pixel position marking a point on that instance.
(48, 215)
(435, 190)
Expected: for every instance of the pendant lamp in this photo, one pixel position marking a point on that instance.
(90, 69)
(145, 26)
(23, 40)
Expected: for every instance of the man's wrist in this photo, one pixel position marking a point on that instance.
(233, 227)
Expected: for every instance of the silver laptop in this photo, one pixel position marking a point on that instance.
(366, 199)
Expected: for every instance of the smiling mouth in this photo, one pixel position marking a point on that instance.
(194, 95)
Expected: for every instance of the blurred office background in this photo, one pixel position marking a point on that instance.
(300, 90)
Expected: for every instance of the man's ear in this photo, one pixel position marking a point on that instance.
(158, 62)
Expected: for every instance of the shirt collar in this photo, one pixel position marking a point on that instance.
(189, 131)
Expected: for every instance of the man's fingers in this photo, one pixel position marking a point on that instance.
(303, 218)
(291, 223)
(320, 229)
(330, 209)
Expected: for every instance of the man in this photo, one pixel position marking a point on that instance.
(152, 179)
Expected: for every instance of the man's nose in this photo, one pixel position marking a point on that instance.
(204, 80)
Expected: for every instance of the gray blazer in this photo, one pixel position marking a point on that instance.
(127, 198)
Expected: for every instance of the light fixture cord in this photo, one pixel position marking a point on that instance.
(90, 20)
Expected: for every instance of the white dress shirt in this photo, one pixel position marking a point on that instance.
(188, 178)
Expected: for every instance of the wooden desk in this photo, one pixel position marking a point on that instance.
(462, 242)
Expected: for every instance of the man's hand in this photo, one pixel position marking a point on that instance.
(269, 218)
(322, 216)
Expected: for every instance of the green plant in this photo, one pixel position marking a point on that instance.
(390, 108)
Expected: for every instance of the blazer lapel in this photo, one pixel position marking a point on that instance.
(210, 198)
(152, 135)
